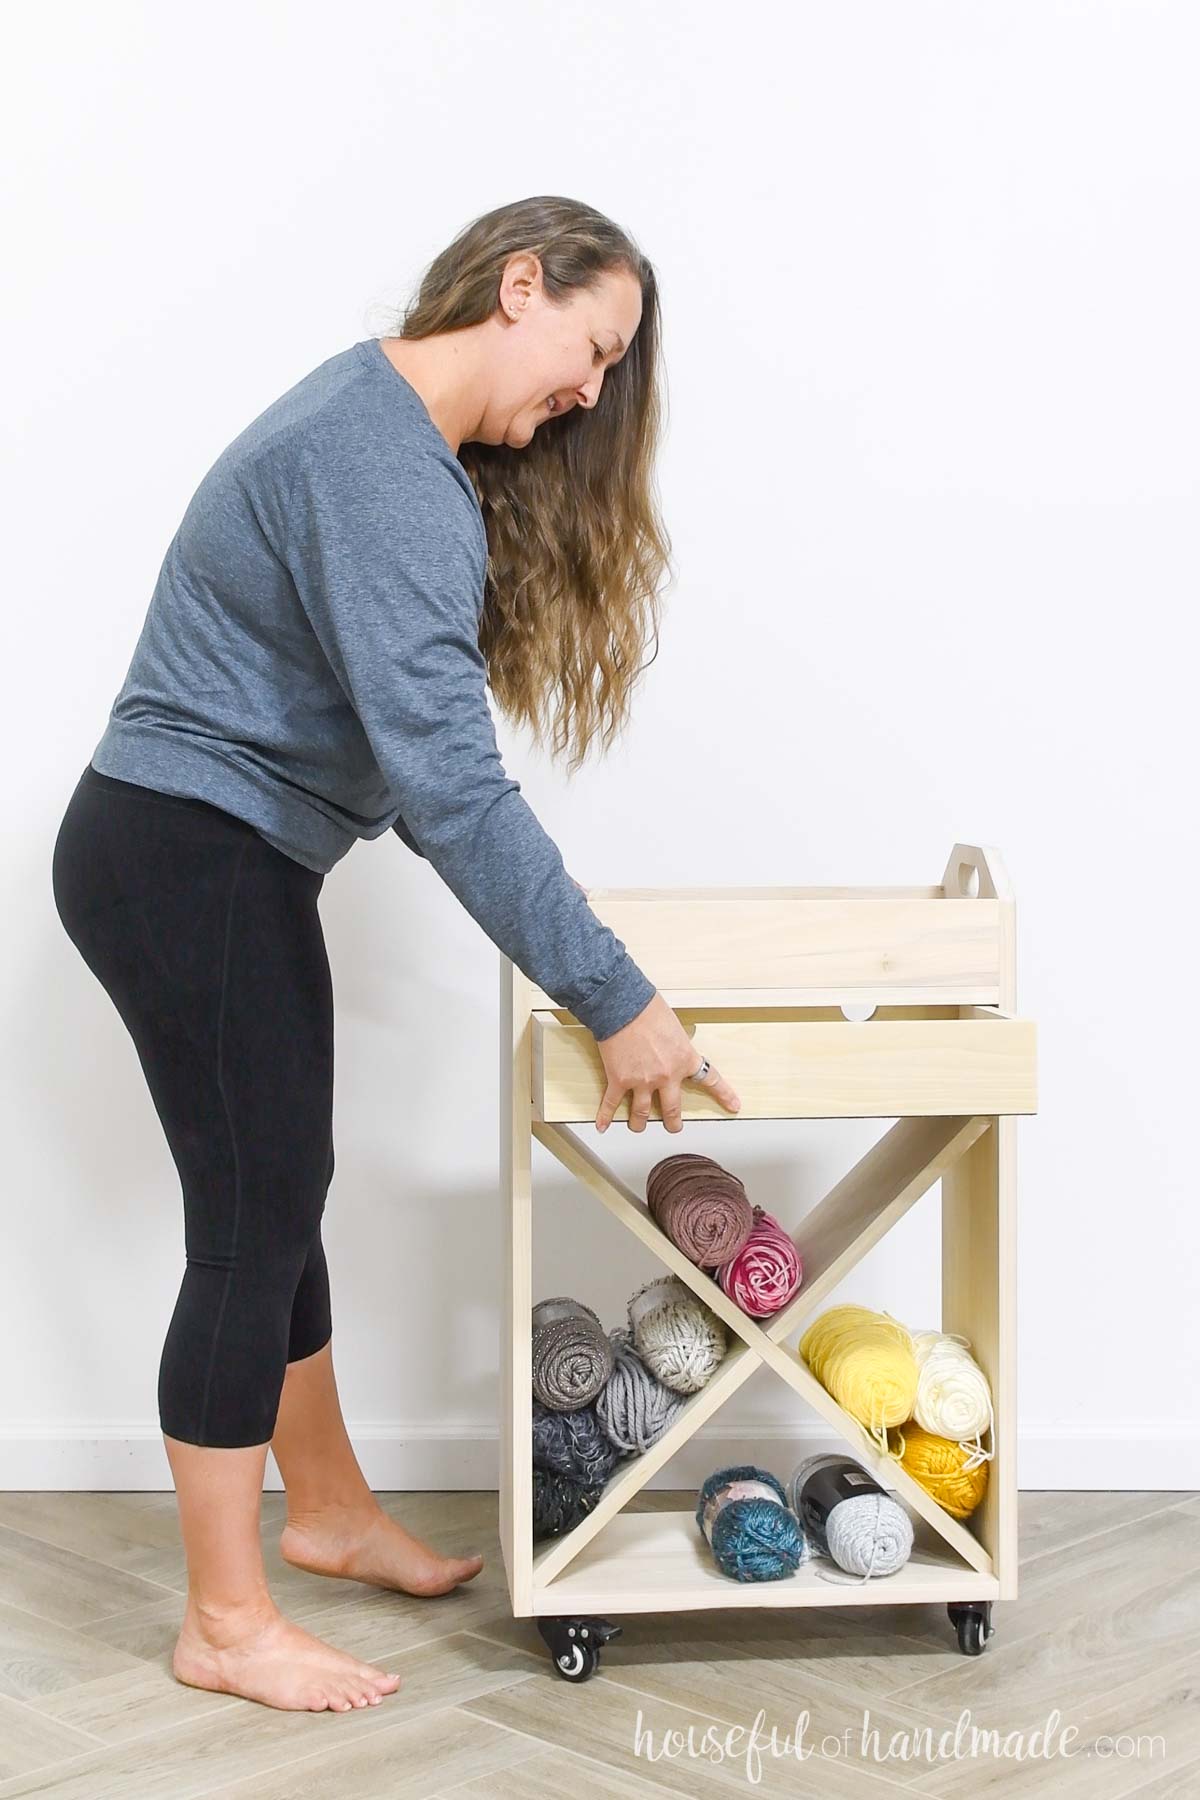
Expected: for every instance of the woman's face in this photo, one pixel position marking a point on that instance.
(555, 358)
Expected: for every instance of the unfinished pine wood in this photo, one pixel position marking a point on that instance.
(553, 1555)
(839, 1230)
(660, 1561)
(825, 944)
(979, 1253)
(762, 1338)
(833, 1236)
(792, 1067)
(516, 1302)
(763, 978)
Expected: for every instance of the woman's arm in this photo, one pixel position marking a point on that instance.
(388, 554)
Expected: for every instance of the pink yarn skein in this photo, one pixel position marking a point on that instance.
(766, 1271)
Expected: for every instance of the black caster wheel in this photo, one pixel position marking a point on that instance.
(575, 1644)
(973, 1621)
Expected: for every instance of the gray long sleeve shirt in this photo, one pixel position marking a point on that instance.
(310, 662)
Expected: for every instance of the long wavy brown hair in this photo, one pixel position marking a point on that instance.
(576, 544)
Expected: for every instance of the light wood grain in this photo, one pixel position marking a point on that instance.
(951, 1074)
(764, 1341)
(809, 941)
(789, 1064)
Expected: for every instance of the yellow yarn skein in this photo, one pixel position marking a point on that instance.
(939, 1465)
(866, 1361)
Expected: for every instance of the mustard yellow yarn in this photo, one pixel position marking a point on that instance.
(866, 1361)
(937, 1464)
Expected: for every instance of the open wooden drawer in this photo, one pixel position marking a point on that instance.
(790, 1062)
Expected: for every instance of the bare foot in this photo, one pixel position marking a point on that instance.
(263, 1656)
(369, 1546)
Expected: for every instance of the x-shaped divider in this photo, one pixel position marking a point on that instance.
(836, 1234)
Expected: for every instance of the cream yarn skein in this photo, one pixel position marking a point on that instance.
(953, 1396)
(680, 1340)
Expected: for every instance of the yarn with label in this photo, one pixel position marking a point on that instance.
(850, 1518)
(753, 1532)
(572, 1357)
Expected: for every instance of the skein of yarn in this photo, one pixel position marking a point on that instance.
(850, 1517)
(754, 1534)
(572, 1443)
(560, 1503)
(953, 1396)
(766, 1272)
(680, 1340)
(943, 1469)
(700, 1206)
(865, 1360)
(572, 1357)
(634, 1407)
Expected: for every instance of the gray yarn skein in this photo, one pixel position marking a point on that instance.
(572, 1357)
(634, 1408)
(869, 1535)
(573, 1444)
(865, 1534)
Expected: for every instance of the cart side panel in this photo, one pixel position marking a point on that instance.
(516, 1298)
(978, 1300)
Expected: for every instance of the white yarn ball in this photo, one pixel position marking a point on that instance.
(953, 1397)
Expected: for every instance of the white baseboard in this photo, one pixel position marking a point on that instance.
(1151, 1456)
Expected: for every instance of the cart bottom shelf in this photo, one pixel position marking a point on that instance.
(659, 1562)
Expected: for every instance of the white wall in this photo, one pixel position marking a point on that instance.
(931, 284)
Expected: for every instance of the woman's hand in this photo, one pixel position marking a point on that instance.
(653, 1053)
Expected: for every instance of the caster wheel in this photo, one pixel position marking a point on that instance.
(575, 1644)
(973, 1622)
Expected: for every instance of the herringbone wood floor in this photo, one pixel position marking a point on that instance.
(1106, 1632)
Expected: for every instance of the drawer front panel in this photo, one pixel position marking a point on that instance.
(873, 1068)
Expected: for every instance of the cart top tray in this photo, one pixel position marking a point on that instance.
(818, 946)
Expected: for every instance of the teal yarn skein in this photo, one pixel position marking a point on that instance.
(753, 1533)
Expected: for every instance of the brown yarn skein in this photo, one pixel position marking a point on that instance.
(702, 1208)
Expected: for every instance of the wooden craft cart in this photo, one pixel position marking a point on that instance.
(815, 1003)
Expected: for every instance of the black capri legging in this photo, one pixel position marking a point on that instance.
(209, 943)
